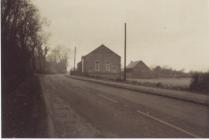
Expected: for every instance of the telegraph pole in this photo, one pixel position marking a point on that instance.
(74, 58)
(124, 78)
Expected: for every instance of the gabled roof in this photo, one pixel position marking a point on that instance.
(133, 64)
(101, 47)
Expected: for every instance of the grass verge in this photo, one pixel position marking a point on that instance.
(23, 111)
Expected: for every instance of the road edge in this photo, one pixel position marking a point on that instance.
(50, 125)
(180, 95)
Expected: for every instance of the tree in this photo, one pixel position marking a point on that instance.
(23, 41)
(58, 59)
(22, 38)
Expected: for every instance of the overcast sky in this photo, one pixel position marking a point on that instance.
(159, 32)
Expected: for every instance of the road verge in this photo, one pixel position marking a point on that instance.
(23, 111)
(181, 95)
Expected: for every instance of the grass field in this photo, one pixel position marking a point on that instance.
(182, 83)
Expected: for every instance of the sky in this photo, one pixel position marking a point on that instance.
(172, 33)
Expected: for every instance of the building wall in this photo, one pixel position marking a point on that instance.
(140, 71)
(79, 67)
(109, 63)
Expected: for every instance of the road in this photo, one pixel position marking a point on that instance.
(83, 109)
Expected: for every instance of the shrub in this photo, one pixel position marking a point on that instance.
(200, 82)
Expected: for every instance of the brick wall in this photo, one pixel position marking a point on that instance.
(102, 56)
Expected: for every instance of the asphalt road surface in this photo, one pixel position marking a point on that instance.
(83, 109)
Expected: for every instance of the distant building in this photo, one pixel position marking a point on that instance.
(101, 62)
(138, 69)
(79, 67)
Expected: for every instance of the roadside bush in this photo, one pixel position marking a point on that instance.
(200, 82)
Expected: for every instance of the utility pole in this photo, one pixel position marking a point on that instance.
(124, 78)
(74, 58)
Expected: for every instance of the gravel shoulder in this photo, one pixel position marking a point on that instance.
(63, 121)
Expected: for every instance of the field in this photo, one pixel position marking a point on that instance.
(182, 83)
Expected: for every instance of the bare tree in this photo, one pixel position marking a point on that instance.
(58, 59)
(22, 38)
(23, 43)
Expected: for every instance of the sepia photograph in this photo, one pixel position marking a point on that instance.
(105, 69)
